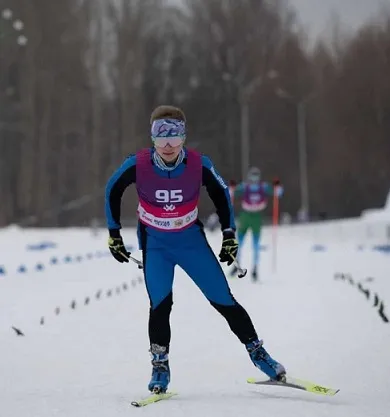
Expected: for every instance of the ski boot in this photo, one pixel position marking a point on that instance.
(161, 374)
(262, 360)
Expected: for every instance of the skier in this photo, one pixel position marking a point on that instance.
(254, 195)
(168, 178)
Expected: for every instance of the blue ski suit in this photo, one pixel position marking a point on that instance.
(188, 248)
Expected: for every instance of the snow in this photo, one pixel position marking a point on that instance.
(93, 360)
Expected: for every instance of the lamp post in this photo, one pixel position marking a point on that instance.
(303, 162)
(8, 24)
(17, 24)
(301, 118)
(245, 95)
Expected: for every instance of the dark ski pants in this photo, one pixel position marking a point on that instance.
(200, 263)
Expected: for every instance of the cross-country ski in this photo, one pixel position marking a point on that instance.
(153, 398)
(301, 384)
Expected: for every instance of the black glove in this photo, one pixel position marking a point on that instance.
(276, 182)
(229, 247)
(117, 248)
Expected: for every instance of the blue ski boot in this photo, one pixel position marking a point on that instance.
(161, 374)
(262, 360)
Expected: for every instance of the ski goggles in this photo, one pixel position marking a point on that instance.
(168, 131)
(254, 178)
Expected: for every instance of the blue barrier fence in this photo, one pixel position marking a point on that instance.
(56, 260)
(360, 248)
(68, 259)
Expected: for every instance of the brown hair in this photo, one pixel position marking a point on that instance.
(167, 112)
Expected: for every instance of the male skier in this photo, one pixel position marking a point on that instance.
(254, 195)
(168, 178)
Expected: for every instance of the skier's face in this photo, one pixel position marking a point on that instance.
(168, 136)
(254, 179)
(169, 153)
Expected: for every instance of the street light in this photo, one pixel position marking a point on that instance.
(7, 14)
(302, 144)
(18, 25)
(245, 94)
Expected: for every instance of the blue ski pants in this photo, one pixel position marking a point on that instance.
(202, 266)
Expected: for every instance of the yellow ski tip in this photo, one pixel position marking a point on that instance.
(251, 380)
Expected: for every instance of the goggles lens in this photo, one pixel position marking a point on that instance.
(163, 142)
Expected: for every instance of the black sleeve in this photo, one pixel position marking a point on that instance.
(219, 194)
(116, 186)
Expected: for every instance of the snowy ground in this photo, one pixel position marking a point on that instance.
(93, 360)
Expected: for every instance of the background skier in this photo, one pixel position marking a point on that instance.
(254, 195)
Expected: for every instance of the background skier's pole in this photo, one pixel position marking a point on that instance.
(232, 187)
(275, 223)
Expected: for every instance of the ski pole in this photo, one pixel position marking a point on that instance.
(136, 261)
(232, 187)
(241, 271)
(275, 222)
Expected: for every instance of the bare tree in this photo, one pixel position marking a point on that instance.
(78, 80)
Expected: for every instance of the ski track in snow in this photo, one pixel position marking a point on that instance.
(93, 360)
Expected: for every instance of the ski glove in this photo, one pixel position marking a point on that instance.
(229, 247)
(117, 248)
(278, 188)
